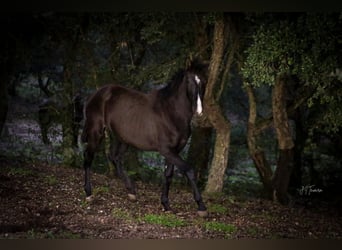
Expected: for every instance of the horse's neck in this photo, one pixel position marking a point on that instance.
(177, 104)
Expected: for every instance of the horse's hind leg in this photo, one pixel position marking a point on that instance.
(94, 138)
(117, 152)
(168, 174)
(88, 159)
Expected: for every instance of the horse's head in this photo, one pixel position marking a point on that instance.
(196, 75)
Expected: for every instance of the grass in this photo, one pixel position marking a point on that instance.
(20, 171)
(217, 208)
(51, 180)
(220, 227)
(167, 220)
(101, 190)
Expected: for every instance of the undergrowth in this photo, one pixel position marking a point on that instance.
(220, 227)
(167, 220)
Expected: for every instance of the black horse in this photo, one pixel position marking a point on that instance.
(157, 121)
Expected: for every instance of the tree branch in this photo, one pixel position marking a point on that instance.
(267, 122)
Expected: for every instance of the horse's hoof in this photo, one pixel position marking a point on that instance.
(132, 197)
(202, 213)
(89, 198)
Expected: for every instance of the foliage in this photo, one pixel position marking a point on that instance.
(304, 45)
(168, 220)
(19, 171)
(29, 147)
(243, 181)
(100, 190)
(219, 226)
(51, 180)
(217, 208)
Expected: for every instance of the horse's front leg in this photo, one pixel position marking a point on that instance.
(202, 210)
(168, 174)
(175, 159)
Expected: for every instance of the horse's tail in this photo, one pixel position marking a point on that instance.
(92, 109)
(84, 135)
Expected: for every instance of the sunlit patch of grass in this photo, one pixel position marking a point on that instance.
(220, 227)
(168, 220)
(217, 208)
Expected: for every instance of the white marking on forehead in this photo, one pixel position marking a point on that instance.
(197, 79)
(199, 107)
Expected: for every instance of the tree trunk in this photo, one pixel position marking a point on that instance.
(257, 154)
(215, 114)
(284, 168)
(69, 156)
(7, 62)
(221, 148)
(300, 138)
(3, 100)
(72, 48)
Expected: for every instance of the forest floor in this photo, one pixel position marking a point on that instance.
(45, 201)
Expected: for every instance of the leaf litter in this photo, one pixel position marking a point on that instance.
(43, 201)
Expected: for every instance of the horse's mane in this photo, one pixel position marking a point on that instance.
(173, 85)
(177, 79)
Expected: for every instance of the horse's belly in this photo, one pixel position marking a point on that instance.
(140, 133)
(140, 139)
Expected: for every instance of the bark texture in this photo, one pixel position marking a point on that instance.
(285, 142)
(69, 156)
(215, 115)
(256, 152)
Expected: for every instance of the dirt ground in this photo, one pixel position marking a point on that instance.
(43, 201)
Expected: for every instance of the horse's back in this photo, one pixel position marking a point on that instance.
(130, 115)
(125, 112)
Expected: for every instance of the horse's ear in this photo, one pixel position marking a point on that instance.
(192, 64)
(188, 63)
(197, 65)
